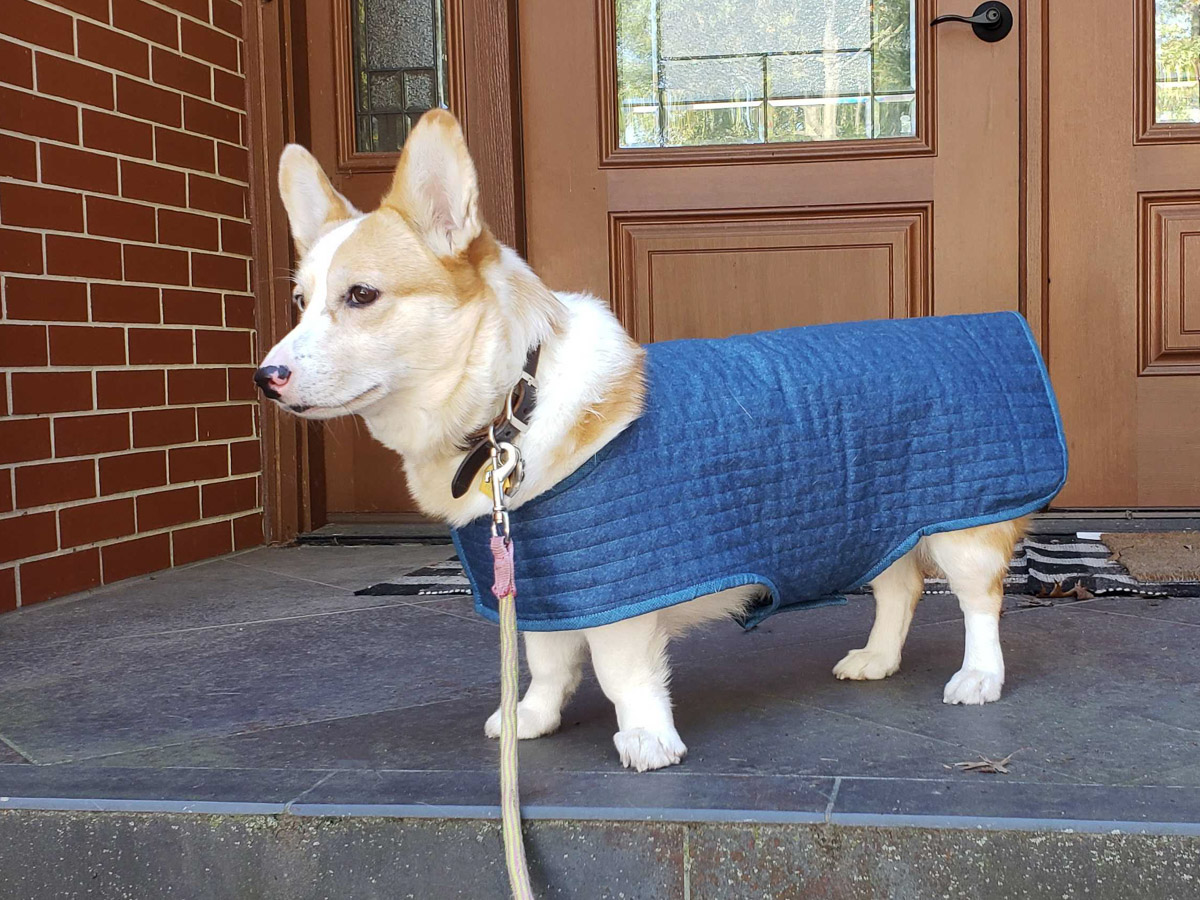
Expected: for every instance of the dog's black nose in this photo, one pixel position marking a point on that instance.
(268, 378)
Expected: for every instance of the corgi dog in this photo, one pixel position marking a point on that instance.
(416, 319)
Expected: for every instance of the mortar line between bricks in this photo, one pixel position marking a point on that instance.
(837, 786)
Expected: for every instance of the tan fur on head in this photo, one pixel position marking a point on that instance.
(312, 205)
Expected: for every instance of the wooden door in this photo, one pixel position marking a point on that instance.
(1123, 327)
(715, 167)
(371, 68)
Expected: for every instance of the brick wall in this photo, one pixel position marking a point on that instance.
(128, 441)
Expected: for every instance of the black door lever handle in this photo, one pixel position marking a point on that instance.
(991, 22)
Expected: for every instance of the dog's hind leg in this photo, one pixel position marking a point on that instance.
(975, 562)
(630, 659)
(897, 590)
(555, 660)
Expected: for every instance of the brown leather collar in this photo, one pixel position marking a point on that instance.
(521, 400)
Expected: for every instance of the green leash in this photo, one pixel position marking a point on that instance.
(505, 460)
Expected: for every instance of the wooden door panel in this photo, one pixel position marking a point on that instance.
(722, 273)
(1124, 291)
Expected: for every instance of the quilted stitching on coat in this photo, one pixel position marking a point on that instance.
(805, 460)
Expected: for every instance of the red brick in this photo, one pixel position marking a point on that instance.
(247, 531)
(23, 345)
(209, 44)
(79, 169)
(115, 218)
(151, 22)
(58, 576)
(41, 298)
(198, 463)
(166, 508)
(215, 121)
(196, 386)
(177, 148)
(154, 183)
(93, 522)
(197, 9)
(20, 251)
(6, 501)
(235, 237)
(158, 427)
(183, 74)
(55, 482)
(133, 472)
(39, 116)
(83, 435)
(37, 207)
(111, 48)
(43, 392)
(219, 422)
(8, 590)
(239, 311)
(233, 162)
(27, 535)
(191, 308)
(18, 157)
(225, 497)
(117, 134)
(241, 383)
(222, 347)
(74, 81)
(226, 272)
(24, 439)
(128, 559)
(245, 457)
(129, 389)
(136, 98)
(229, 89)
(227, 16)
(160, 345)
(95, 9)
(217, 196)
(16, 64)
(157, 265)
(86, 257)
(38, 25)
(86, 345)
(125, 303)
(201, 542)
(183, 229)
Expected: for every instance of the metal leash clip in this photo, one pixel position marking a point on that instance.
(503, 475)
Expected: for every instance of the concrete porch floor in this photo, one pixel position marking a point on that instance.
(248, 727)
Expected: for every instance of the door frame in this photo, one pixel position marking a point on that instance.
(277, 87)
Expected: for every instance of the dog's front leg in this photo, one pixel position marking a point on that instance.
(630, 659)
(555, 660)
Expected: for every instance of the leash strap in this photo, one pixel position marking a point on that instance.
(505, 459)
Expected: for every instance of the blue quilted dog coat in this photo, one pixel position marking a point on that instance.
(806, 461)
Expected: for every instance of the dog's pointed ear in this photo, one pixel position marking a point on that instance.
(310, 200)
(435, 187)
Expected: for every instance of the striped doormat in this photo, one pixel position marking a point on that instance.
(1078, 565)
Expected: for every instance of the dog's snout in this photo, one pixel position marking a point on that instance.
(268, 378)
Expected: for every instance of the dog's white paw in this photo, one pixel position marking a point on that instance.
(532, 722)
(973, 686)
(866, 665)
(643, 750)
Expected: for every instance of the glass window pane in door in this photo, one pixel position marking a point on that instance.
(1177, 61)
(704, 72)
(399, 68)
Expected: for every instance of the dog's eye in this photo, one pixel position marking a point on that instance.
(361, 295)
(298, 299)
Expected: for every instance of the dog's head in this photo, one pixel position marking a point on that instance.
(388, 296)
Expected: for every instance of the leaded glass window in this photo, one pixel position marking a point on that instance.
(704, 72)
(399, 68)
